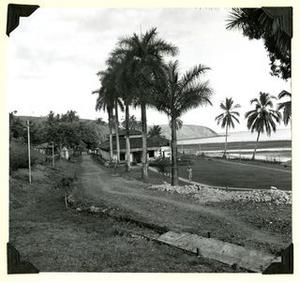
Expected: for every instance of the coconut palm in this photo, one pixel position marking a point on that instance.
(175, 96)
(144, 58)
(155, 130)
(274, 26)
(285, 106)
(263, 118)
(228, 117)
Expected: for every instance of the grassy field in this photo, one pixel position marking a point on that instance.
(54, 238)
(239, 174)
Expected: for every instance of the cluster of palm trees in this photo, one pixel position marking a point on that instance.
(138, 76)
(262, 118)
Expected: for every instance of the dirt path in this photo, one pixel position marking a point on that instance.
(165, 209)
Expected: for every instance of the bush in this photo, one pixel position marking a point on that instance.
(18, 156)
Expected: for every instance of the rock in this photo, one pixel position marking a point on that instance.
(94, 209)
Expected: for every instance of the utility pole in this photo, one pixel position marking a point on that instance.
(53, 164)
(29, 159)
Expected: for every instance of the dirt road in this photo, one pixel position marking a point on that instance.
(178, 213)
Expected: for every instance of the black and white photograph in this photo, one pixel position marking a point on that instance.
(149, 140)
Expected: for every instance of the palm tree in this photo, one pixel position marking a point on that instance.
(285, 106)
(263, 117)
(155, 130)
(104, 102)
(109, 92)
(274, 26)
(144, 58)
(175, 96)
(228, 117)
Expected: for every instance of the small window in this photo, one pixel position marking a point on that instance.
(151, 154)
(122, 157)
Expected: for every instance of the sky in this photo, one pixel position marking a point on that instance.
(54, 55)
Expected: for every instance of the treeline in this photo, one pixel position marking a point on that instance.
(63, 130)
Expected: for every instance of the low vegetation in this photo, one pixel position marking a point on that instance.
(18, 156)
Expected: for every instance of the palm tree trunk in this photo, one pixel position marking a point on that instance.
(226, 134)
(117, 131)
(127, 137)
(110, 134)
(174, 175)
(144, 141)
(253, 156)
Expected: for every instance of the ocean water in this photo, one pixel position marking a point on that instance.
(269, 154)
(241, 136)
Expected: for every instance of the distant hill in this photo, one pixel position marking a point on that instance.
(189, 131)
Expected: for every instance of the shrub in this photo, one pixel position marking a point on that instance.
(18, 156)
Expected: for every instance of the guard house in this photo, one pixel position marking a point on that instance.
(156, 146)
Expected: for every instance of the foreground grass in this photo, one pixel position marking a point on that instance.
(236, 174)
(54, 238)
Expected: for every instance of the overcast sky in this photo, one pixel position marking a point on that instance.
(54, 56)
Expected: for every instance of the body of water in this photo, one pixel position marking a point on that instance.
(240, 136)
(244, 151)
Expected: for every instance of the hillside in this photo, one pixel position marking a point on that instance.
(189, 131)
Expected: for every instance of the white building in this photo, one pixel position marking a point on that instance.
(156, 146)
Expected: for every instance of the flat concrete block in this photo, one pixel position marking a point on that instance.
(228, 253)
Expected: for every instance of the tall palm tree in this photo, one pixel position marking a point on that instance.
(144, 58)
(228, 117)
(104, 102)
(175, 96)
(263, 117)
(285, 106)
(109, 91)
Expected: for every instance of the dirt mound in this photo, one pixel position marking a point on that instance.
(205, 194)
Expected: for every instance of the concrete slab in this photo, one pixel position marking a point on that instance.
(228, 253)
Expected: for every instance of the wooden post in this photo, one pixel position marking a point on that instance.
(29, 159)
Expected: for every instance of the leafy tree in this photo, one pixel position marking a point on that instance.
(16, 126)
(285, 106)
(70, 116)
(176, 95)
(228, 117)
(144, 57)
(274, 26)
(263, 118)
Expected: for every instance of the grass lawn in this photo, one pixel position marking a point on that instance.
(236, 174)
(54, 238)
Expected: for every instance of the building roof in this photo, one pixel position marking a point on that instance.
(122, 132)
(136, 143)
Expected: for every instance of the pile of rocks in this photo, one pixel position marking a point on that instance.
(204, 193)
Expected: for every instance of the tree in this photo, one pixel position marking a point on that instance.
(17, 128)
(274, 26)
(144, 59)
(285, 106)
(228, 117)
(175, 96)
(70, 116)
(155, 130)
(263, 117)
(133, 123)
(104, 102)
